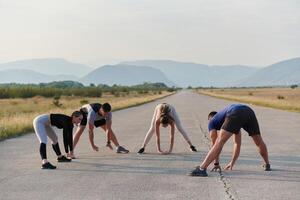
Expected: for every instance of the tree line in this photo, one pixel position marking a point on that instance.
(72, 88)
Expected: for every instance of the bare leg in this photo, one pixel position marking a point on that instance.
(262, 148)
(148, 136)
(152, 126)
(216, 149)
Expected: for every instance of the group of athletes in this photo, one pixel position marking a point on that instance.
(221, 125)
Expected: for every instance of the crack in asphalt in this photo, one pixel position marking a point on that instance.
(228, 191)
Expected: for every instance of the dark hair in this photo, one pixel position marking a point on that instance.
(165, 119)
(211, 114)
(76, 114)
(106, 107)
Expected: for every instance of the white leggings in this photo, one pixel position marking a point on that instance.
(42, 128)
(177, 122)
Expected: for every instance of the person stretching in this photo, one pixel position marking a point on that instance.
(42, 127)
(229, 121)
(98, 115)
(165, 115)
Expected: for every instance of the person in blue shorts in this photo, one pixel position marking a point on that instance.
(228, 122)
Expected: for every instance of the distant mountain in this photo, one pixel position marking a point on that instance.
(29, 76)
(191, 74)
(283, 73)
(49, 66)
(172, 73)
(125, 75)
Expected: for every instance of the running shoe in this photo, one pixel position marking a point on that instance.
(63, 159)
(198, 172)
(267, 167)
(141, 151)
(121, 149)
(193, 148)
(48, 165)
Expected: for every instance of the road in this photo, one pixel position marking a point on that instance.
(107, 175)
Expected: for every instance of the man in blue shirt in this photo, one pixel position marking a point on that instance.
(229, 121)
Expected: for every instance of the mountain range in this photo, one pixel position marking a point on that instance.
(172, 73)
(49, 66)
(192, 74)
(30, 76)
(125, 75)
(281, 73)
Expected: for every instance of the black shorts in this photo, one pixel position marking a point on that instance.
(241, 118)
(97, 123)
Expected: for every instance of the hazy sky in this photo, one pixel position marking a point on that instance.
(96, 32)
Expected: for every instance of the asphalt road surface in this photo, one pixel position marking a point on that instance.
(107, 175)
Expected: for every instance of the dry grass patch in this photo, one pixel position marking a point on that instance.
(16, 115)
(281, 98)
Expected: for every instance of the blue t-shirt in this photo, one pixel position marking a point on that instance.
(217, 121)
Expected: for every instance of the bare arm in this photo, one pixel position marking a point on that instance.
(214, 136)
(157, 124)
(91, 137)
(108, 130)
(172, 132)
(237, 139)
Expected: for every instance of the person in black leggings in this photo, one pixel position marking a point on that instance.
(42, 126)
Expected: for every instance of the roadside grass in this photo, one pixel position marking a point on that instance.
(16, 115)
(280, 98)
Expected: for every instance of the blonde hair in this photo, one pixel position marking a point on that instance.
(164, 109)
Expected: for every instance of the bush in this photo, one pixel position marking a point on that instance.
(170, 90)
(294, 86)
(250, 93)
(71, 88)
(56, 101)
(280, 97)
(14, 103)
(112, 92)
(84, 101)
(117, 94)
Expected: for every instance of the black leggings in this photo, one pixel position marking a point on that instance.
(43, 150)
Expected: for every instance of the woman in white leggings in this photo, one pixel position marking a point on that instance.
(42, 126)
(165, 114)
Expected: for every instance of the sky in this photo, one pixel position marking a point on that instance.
(98, 32)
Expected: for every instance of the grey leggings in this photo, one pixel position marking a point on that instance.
(43, 129)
